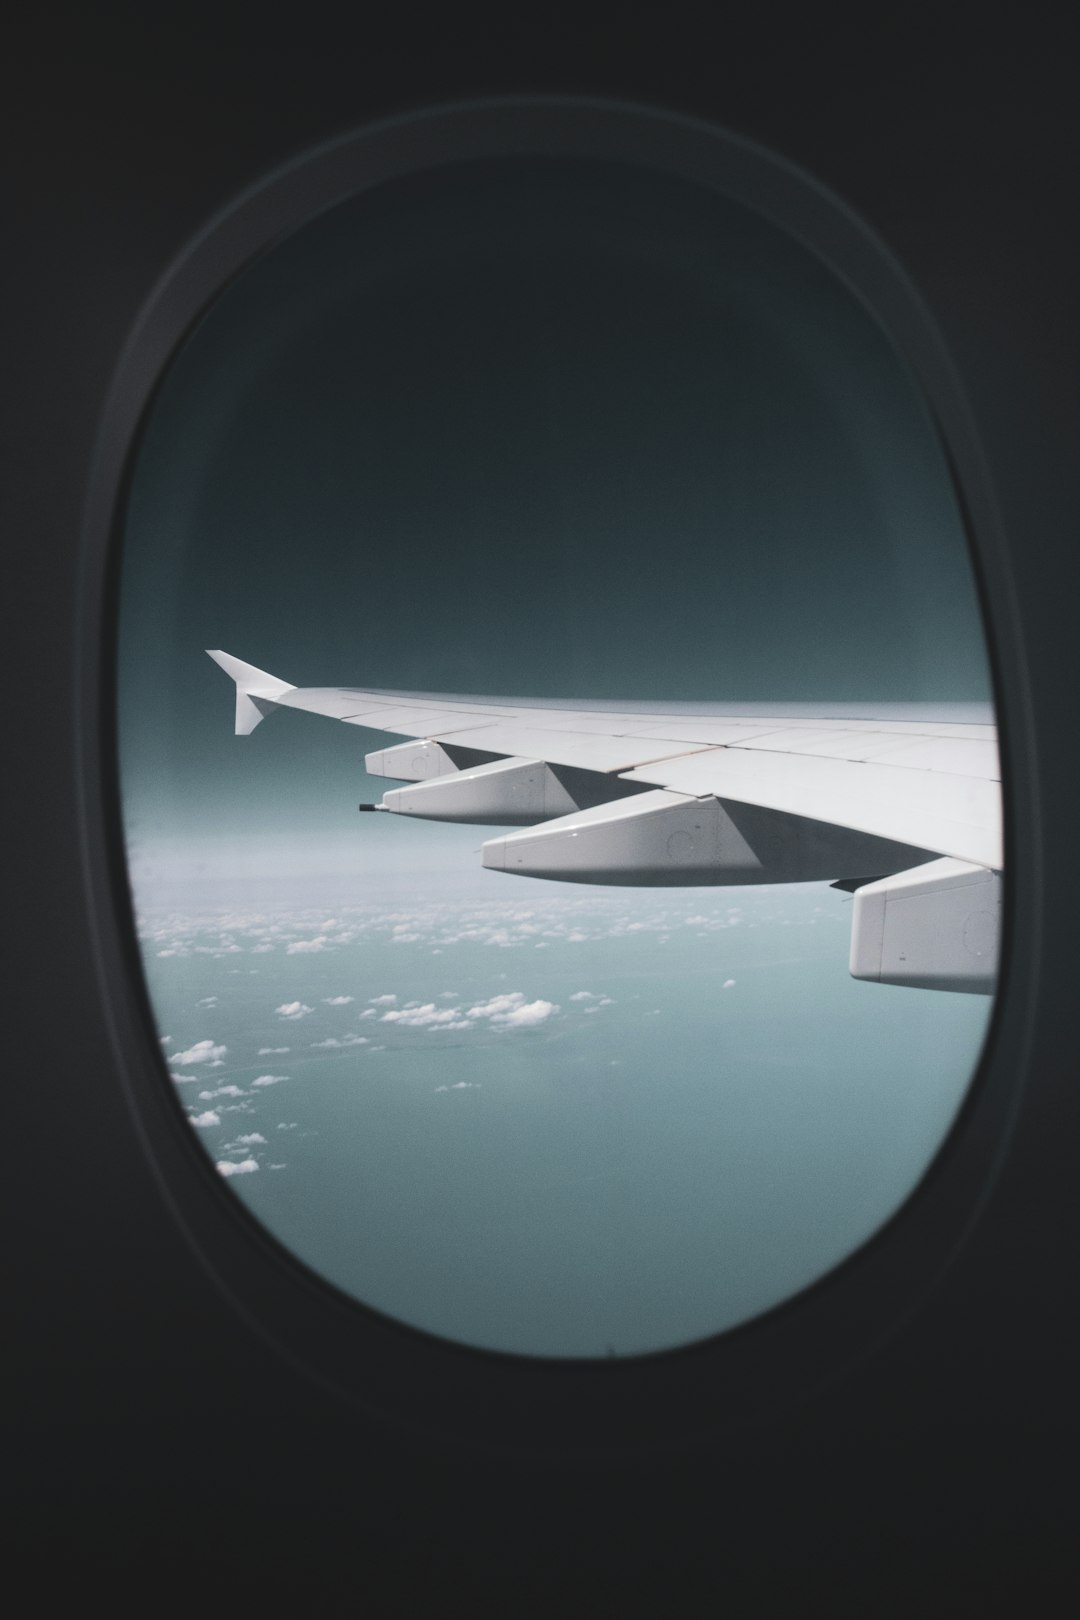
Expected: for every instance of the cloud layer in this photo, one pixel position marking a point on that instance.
(201, 1052)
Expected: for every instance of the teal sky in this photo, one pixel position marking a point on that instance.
(537, 428)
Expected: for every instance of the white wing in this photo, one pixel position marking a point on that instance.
(678, 794)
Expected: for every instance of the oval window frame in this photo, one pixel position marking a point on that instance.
(674, 1397)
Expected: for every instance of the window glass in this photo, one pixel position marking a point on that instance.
(577, 432)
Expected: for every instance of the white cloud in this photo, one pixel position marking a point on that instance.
(221, 1091)
(382, 1001)
(201, 1052)
(595, 1001)
(498, 1005)
(209, 1118)
(290, 1127)
(207, 1001)
(369, 1012)
(270, 1080)
(533, 1012)
(165, 1040)
(251, 1138)
(244, 1168)
(338, 1001)
(727, 984)
(347, 1040)
(271, 1051)
(293, 1010)
(512, 1011)
(421, 1017)
(184, 1079)
(301, 946)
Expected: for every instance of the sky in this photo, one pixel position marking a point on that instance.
(543, 428)
(552, 429)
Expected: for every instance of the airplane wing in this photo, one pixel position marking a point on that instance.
(901, 804)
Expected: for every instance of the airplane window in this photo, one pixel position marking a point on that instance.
(617, 542)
